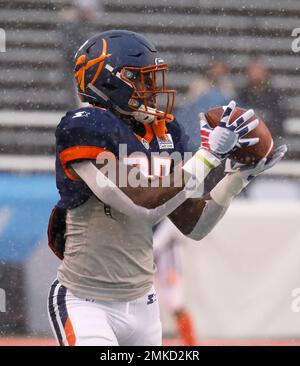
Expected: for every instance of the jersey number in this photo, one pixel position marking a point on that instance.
(161, 166)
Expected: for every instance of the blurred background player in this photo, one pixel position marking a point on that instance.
(169, 280)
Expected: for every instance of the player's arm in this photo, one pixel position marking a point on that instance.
(152, 202)
(197, 217)
(165, 200)
(142, 202)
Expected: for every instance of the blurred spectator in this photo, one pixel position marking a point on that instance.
(213, 89)
(77, 25)
(259, 94)
(217, 76)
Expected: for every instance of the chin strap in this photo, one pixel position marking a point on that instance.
(158, 124)
(160, 128)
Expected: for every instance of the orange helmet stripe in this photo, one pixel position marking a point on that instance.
(101, 59)
(80, 60)
(80, 74)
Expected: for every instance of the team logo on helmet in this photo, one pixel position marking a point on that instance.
(81, 66)
(158, 61)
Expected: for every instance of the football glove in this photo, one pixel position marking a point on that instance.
(226, 137)
(239, 175)
(218, 143)
(249, 172)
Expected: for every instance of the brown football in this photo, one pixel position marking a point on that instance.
(248, 155)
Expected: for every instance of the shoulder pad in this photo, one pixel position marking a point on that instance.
(84, 134)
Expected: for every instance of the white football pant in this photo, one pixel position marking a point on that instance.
(80, 322)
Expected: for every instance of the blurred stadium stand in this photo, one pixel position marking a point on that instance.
(34, 92)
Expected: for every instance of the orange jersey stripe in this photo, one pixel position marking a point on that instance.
(78, 152)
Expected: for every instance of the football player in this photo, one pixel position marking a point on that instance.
(169, 279)
(102, 227)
